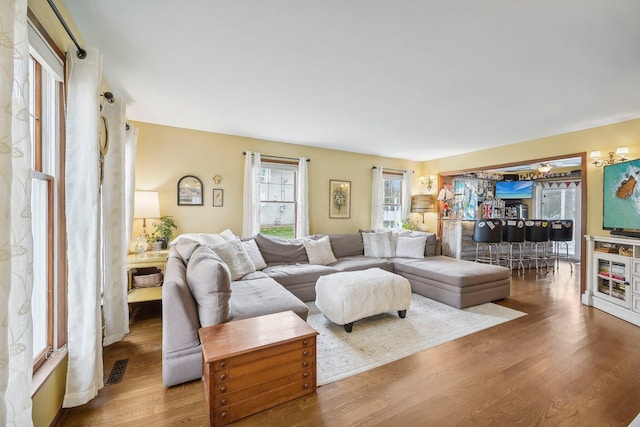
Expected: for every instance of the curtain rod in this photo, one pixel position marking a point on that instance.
(389, 169)
(81, 52)
(244, 153)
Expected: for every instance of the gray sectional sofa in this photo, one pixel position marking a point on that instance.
(201, 288)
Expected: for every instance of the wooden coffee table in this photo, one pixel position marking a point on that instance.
(254, 364)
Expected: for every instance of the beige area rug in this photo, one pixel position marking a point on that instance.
(381, 339)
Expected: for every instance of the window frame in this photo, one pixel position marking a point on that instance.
(392, 176)
(289, 166)
(48, 142)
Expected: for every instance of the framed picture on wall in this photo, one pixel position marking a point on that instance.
(190, 191)
(218, 197)
(339, 199)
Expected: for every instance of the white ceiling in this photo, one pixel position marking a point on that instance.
(406, 79)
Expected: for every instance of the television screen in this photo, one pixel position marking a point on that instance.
(514, 189)
(621, 197)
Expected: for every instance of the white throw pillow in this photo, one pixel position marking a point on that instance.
(236, 257)
(211, 239)
(378, 245)
(319, 251)
(227, 235)
(254, 253)
(411, 247)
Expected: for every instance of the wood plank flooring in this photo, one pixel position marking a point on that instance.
(564, 364)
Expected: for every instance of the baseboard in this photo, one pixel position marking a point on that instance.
(58, 421)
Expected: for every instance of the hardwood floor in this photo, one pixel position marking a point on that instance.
(563, 364)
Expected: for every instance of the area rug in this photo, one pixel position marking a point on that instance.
(384, 338)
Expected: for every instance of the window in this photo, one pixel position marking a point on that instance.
(392, 201)
(278, 199)
(45, 111)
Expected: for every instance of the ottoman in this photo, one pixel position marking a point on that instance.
(353, 295)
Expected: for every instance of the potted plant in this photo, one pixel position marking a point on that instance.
(163, 230)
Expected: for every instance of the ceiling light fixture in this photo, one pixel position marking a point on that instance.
(544, 168)
(621, 152)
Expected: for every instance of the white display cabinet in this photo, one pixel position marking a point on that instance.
(613, 276)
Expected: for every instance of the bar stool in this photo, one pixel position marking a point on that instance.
(561, 233)
(487, 233)
(537, 233)
(513, 233)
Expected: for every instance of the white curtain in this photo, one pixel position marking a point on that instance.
(251, 198)
(377, 198)
(406, 194)
(302, 213)
(16, 245)
(130, 146)
(84, 370)
(115, 241)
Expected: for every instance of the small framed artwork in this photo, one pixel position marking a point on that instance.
(339, 199)
(190, 191)
(218, 197)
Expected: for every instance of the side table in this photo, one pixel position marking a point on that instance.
(140, 260)
(254, 364)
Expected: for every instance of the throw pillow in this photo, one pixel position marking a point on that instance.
(279, 249)
(254, 253)
(319, 251)
(185, 248)
(209, 280)
(236, 257)
(411, 247)
(378, 245)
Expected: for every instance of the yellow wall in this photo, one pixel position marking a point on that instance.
(603, 138)
(165, 154)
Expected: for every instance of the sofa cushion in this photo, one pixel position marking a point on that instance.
(353, 263)
(455, 272)
(251, 247)
(278, 249)
(378, 244)
(319, 251)
(344, 245)
(236, 257)
(293, 274)
(411, 247)
(209, 280)
(251, 298)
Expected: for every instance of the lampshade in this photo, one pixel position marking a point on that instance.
(146, 205)
(422, 203)
(621, 151)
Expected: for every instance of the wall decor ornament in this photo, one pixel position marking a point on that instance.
(218, 197)
(339, 199)
(190, 191)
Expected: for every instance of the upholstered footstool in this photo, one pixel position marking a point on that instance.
(353, 295)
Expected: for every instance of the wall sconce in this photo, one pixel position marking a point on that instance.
(620, 151)
(428, 182)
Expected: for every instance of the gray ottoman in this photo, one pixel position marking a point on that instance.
(353, 295)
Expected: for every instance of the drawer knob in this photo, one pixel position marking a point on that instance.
(305, 386)
(305, 342)
(223, 389)
(305, 364)
(223, 402)
(223, 376)
(223, 414)
(223, 364)
(305, 375)
(305, 353)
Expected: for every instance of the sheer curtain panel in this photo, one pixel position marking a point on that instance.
(377, 198)
(130, 146)
(84, 370)
(115, 241)
(302, 220)
(251, 197)
(406, 194)
(16, 248)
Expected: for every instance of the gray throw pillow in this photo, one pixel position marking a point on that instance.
(235, 255)
(209, 280)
